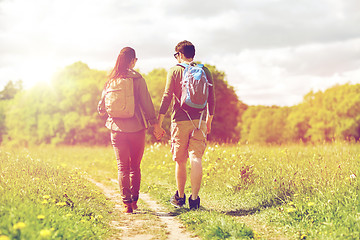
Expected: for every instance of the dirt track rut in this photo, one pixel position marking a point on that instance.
(140, 225)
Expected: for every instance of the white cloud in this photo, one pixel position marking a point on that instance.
(272, 51)
(269, 76)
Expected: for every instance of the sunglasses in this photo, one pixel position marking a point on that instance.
(176, 55)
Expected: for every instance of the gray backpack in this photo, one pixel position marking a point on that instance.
(119, 98)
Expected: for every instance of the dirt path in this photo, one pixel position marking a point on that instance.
(150, 221)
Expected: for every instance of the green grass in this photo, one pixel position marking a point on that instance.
(40, 199)
(214, 225)
(310, 192)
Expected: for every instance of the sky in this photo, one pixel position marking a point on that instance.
(273, 52)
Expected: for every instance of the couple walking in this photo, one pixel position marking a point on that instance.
(188, 132)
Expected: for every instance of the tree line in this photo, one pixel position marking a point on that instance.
(64, 112)
(321, 117)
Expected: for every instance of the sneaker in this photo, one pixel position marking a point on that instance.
(194, 204)
(127, 208)
(134, 205)
(176, 201)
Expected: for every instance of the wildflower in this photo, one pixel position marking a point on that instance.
(45, 202)
(290, 210)
(45, 233)
(61, 204)
(310, 204)
(352, 176)
(46, 197)
(19, 226)
(3, 237)
(291, 204)
(68, 215)
(41, 217)
(256, 235)
(100, 217)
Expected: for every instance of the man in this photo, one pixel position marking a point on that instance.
(186, 140)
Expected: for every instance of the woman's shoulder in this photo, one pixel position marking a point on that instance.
(133, 74)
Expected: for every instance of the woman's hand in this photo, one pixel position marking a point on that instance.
(158, 132)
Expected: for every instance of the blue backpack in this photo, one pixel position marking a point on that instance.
(195, 87)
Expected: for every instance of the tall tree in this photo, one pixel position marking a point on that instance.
(247, 121)
(78, 91)
(11, 89)
(9, 92)
(64, 112)
(228, 108)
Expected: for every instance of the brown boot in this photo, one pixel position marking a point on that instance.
(127, 208)
(134, 205)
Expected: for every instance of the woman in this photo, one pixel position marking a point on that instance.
(128, 134)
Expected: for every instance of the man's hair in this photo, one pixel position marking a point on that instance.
(186, 48)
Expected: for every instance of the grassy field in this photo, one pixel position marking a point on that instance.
(310, 192)
(41, 198)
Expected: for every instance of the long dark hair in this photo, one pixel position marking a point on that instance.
(127, 54)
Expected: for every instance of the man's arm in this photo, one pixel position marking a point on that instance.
(168, 93)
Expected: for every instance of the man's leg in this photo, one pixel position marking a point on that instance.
(196, 177)
(179, 136)
(179, 143)
(180, 173)
(197, 145)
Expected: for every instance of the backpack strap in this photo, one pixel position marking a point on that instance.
(188, 115)
(184, 65)
(195, 128)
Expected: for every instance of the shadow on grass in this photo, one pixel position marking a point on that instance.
(174, 213)
(243, 212)
(170, 213)
(177, 212)
(274, 202)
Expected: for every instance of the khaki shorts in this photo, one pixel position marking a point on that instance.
(186, 141)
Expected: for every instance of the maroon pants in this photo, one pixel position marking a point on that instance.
(129, 150)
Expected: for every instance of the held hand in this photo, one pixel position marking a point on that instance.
(159, 132)
(163, 132)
